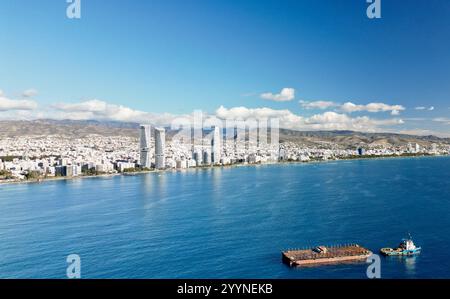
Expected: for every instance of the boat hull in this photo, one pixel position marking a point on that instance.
(326, 255)
(400, 252)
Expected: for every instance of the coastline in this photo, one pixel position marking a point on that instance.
(110, 175)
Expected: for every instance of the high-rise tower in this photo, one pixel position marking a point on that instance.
(160, 145)
(144, 145)
(216, 145)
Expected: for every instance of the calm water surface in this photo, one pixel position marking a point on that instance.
(230, 222)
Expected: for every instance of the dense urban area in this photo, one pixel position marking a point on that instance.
(35, 158)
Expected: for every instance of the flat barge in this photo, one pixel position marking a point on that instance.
(325, 255)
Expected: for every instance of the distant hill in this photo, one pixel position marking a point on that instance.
(76, 129)
(67, 128)
(354, 139)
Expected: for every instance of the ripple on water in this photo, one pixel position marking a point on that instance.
(228, 222)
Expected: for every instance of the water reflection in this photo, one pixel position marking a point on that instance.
(161, 181)
(216, 179)
(216, 189)
(148, 184)
(410, 265)
(154, 190)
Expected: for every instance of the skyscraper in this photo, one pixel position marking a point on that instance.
(197, 156)
(144, 145)
(160, 144)
(206, 156)
(216, 145)
(235, 140)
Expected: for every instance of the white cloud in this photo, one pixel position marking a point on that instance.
(372, 107)
(243, 113)
(326, 121)
(442, 120)
(29, 93)
(9, 104)
(350, 107)
(1, 93)
(286, 94)
(318, 104)
(87, 110)
(94, 106)
(431, 108)
(100, 110)
(336, 121)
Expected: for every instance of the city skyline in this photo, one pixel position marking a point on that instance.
(32, 158)
(314, 65)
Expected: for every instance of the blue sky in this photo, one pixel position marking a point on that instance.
(176, 56)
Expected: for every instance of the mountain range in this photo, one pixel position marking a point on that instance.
(79, 129)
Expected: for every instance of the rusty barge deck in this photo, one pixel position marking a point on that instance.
(325, 255)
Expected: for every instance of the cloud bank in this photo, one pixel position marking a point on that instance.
(101, 110)
(95, 109)
(326, 121)
(29, 93)
(350, 107)
(372, 107)
(7, 104)
(318, 105)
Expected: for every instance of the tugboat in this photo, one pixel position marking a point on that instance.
(406, 248)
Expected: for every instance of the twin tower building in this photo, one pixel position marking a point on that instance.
(145, 146)
(145, 138)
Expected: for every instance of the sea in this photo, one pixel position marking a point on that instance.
(230, 222)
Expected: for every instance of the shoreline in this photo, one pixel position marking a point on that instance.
(280, 163)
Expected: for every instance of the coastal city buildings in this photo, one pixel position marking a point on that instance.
(160, 145)
(144, 145)
(58, 156)
(216, 145)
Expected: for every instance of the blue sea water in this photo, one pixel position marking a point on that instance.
(229, 222)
